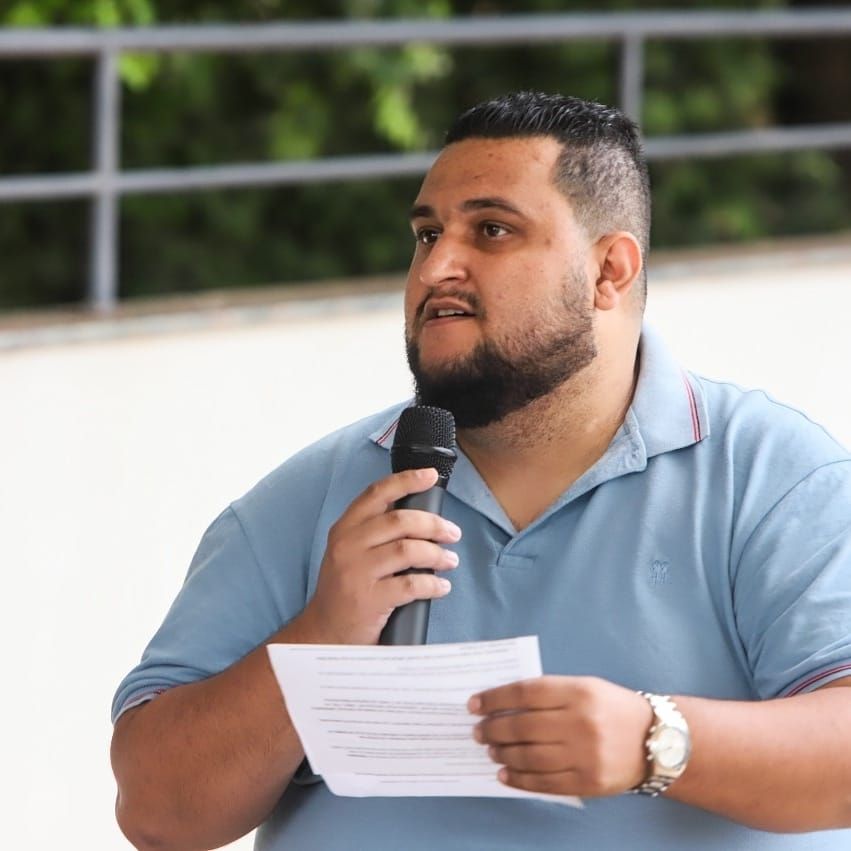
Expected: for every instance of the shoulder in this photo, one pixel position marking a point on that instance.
(291, 508)
(764, 436)
(343, 462)
(765, 463)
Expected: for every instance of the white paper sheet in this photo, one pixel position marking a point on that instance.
(393, 721)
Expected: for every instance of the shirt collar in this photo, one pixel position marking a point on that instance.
(669, 404)
(668, 409)
(386, 432)
(668, 412)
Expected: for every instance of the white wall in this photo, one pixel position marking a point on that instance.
(116, 454)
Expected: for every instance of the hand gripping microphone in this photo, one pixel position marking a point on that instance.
(425, 437)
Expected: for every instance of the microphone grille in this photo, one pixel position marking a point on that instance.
(425, 437)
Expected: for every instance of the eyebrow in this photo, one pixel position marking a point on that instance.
(425, 211)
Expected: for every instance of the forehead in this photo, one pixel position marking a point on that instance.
(518, 169)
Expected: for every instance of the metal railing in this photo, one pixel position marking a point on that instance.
(106, 183)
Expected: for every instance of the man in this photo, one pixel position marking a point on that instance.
(659, 532)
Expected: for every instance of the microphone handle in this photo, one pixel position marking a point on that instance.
(408, 624)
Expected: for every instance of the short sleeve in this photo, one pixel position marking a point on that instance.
(223, 611)
(792, 586)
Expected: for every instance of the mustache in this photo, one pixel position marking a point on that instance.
(470, 299)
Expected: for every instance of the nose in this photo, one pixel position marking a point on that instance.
(445, 262)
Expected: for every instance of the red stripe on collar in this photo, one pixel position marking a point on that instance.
(692, 404)
(388, 431)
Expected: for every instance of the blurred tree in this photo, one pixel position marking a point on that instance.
(815, 87)
(193, 109)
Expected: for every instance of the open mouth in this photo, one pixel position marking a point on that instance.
(450, 314)
(435, 312)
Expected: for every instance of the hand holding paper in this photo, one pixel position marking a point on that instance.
(565, 735)
(393, 721)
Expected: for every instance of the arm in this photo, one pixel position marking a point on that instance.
(778, 765)
(204, 763)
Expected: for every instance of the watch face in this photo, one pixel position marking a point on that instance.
(670, 747)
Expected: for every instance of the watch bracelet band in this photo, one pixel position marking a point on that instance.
(665, 712)
(652, 786)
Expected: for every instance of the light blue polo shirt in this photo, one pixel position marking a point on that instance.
(708, 552)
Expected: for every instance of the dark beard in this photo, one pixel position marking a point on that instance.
(488, 384)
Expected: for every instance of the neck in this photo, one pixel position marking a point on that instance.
(529, 458)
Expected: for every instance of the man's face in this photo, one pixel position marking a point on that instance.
(498, 303)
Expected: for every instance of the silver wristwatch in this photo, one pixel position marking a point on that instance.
(668, 745)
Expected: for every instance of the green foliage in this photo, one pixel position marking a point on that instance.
(98, 13)
(184, 109)
(136, 70)
(748, 197)
(397, 74)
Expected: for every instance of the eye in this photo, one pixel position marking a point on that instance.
(492, 230)
(426, 236)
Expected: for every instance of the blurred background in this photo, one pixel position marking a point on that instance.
(197, 277)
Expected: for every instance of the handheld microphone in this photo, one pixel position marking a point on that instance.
(425, 437)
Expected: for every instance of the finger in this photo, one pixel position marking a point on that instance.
(381, 495)
(551, 757)
(539, 726)
(389, 559)
(407, 523)
(399, 590)
(538, 693)
(552, 782)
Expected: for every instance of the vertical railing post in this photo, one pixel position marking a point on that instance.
(103, 255)
(632, 76)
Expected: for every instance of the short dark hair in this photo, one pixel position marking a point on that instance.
(601, 169)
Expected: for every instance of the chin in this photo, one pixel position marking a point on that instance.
(447, 364)
(444, 354)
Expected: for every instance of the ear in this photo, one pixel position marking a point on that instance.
(619, 263)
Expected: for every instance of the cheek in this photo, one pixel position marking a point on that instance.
(527, 292)
(413, 298)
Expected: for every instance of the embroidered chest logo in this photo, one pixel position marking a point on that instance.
(659, 571)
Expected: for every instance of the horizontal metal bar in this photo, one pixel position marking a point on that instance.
(48, 187)
(708, 145)
(257, 174)
(153, 181)
(503, 29)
